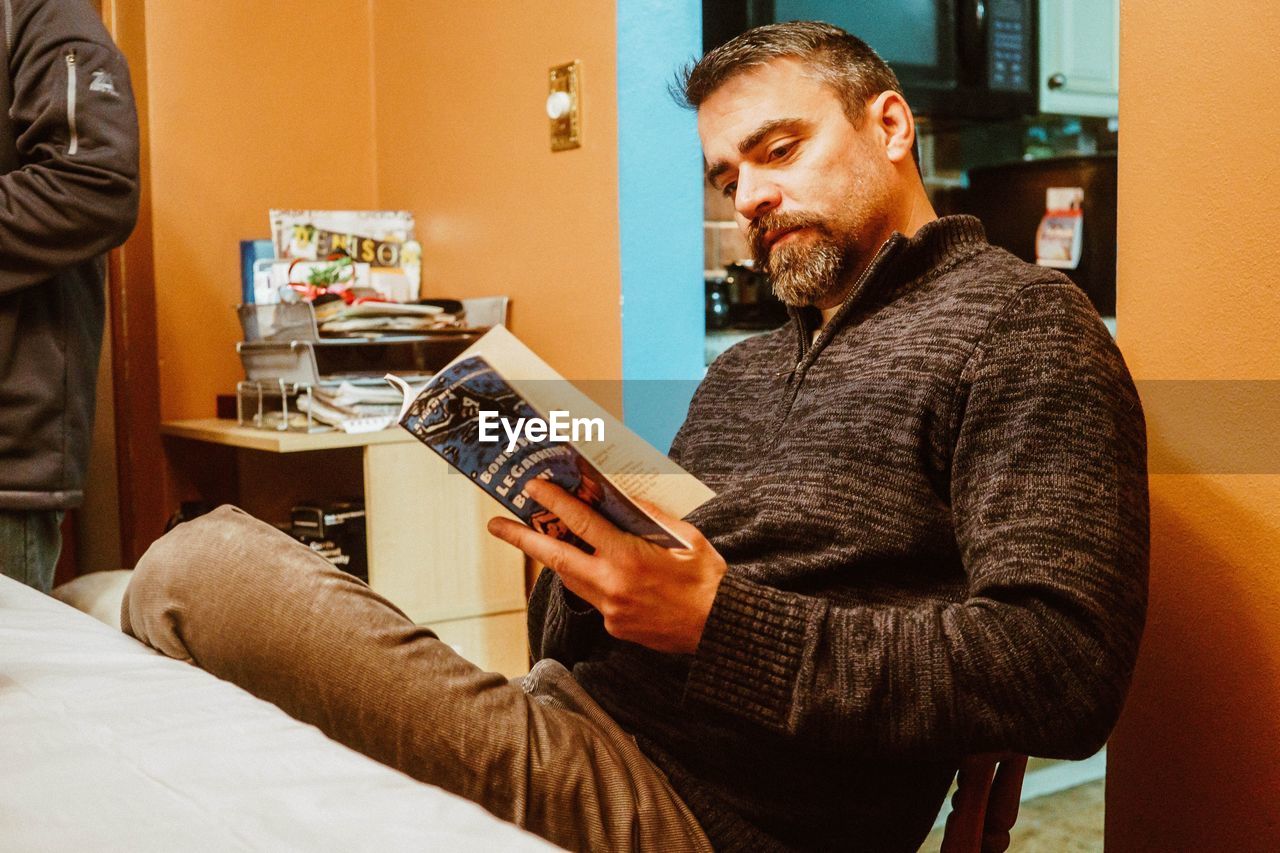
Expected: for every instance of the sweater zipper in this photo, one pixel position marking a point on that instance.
(795, 376)
(808, 341)
(74, 145)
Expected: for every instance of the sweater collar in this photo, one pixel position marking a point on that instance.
(901, 260)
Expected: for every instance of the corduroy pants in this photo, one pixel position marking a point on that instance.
(248, 604)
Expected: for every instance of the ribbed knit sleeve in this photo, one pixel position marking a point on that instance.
(752, 649)
(1049, 507)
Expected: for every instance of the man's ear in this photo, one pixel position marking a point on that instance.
(889, 114)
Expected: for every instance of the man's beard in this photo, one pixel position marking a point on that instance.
(806, 272)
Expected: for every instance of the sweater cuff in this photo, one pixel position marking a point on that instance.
(751, 652)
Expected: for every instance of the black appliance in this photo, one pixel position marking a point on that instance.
(1010, 201)
(743, 299)
(336, 531)
(956, 59)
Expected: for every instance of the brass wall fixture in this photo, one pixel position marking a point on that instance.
(564, 105)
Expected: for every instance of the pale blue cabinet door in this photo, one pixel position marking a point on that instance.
(1080, 57)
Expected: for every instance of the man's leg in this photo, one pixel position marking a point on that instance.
(29, 544)
(247, 603)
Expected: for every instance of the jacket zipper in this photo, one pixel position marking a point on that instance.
(74, 145)
(8, 27)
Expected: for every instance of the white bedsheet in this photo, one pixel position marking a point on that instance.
(106, 745)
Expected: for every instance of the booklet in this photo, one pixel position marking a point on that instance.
(502, 416)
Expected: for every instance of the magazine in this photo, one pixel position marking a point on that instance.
(502, 417)
(383, 239)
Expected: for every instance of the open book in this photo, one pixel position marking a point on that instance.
(502, 416)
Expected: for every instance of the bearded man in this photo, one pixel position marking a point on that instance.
(929, 538)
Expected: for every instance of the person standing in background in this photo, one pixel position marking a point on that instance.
(68, 194)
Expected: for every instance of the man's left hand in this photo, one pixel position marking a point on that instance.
(657, 597)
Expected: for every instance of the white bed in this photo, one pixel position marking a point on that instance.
(106, 745)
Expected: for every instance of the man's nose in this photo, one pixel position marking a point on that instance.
(756, 194)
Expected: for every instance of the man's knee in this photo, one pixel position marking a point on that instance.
(197, 558)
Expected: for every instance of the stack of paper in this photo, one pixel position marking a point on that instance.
(383, 317)
(353, 408)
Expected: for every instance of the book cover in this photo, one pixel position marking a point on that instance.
(502, 417)
(251, 252)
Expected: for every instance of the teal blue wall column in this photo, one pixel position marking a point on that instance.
(660, 217)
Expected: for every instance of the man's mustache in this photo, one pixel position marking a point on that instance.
(762, 225)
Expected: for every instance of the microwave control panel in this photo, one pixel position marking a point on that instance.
(1009, 46)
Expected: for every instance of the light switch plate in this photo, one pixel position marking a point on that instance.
(566, 131)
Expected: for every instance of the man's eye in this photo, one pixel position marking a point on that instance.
(781, 151)
(729, 189)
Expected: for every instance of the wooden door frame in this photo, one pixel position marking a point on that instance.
(141, 470)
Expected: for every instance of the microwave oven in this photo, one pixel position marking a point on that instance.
(956, 59)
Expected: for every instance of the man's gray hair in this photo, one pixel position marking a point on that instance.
(844, 62)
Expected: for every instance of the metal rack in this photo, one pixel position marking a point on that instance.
(253, 395)
(285, 358)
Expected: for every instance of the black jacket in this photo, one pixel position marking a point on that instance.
(68, 193)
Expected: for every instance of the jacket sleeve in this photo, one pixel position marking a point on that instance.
(75, 193)
(1049, 507)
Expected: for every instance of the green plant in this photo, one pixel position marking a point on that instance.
(331, 273)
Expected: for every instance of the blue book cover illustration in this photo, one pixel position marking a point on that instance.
(446, 416)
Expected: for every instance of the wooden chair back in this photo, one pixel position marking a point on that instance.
(984, 807)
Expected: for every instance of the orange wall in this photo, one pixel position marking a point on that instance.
(1195, 762)
(253, 105)
(462, 141)
(431, 106)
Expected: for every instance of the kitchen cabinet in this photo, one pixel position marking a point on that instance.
(429, 552)
(1080, 57)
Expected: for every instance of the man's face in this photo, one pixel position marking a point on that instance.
(811, 191)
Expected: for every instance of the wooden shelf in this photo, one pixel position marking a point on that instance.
(228, 432)
(428, 547)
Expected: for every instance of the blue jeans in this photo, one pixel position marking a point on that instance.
(29, 544)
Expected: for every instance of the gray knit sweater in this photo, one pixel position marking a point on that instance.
(935, 520)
